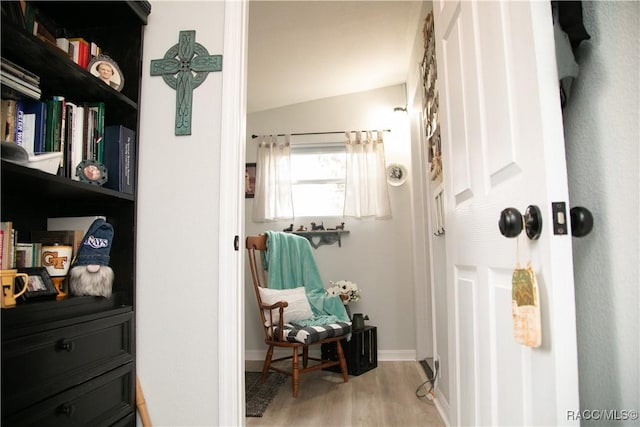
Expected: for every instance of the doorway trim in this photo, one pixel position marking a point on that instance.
(231, 404)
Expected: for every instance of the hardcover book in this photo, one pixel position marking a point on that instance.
(80, 51)
(94, 113)
(119, 158)
(38, 110)
(75, 132)
(53, 124)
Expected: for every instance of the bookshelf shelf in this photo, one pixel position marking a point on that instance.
(79, 343)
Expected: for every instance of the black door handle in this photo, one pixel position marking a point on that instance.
(581, 221)
(511, 222)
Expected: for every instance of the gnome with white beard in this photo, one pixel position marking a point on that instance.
(90, 273)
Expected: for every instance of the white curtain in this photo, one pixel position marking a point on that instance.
(366, 193)
(273, 197)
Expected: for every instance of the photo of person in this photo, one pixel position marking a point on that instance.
(107, 71)
(249, 180)
(92, 172)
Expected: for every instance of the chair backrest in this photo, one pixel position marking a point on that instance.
(255, 246)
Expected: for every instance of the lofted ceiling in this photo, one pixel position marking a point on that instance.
(305, 50)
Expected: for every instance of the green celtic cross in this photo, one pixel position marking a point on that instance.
(184, 67)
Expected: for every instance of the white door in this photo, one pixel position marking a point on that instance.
(503, 147)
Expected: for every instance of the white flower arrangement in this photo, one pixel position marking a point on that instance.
(345, 287)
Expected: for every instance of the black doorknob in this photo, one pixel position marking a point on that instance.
(581, 221)
(511, 222)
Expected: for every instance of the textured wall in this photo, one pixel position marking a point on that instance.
(602, 138)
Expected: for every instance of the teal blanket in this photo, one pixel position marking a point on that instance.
(290, 263)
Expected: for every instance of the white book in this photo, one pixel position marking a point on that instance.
(72, 223)
(77, 135)
(29, 133)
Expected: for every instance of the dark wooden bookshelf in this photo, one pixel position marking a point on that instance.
(72, 361)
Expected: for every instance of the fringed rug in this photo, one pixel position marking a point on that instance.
(258, 395)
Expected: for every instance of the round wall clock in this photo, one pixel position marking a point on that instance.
(396, 174)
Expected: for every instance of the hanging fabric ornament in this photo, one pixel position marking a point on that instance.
(525, 304)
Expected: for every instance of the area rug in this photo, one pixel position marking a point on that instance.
(258, 395)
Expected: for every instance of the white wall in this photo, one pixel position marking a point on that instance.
(376, 254)
(602, 139)
(433, 278)
(178, 211)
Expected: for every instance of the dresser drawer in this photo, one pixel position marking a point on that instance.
(104, 401)
(39, 365)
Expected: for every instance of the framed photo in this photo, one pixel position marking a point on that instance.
(249, 180)
(107, 70)
(39, 287)
(396, 174)
(92, 172)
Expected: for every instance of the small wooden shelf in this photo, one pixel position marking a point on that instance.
(325, 237)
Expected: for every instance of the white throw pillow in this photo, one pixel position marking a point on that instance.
(298, 308)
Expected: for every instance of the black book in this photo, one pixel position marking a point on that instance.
(119, 158)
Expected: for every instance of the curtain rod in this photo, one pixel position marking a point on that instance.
(317, 133)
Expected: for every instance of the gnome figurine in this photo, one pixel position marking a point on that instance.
(90, 272)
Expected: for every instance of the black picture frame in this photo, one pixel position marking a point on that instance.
(249, 180)
(92, 172)
(39, 288)
(102, 64)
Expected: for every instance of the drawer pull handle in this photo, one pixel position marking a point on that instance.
(66, 345)
(66, 409)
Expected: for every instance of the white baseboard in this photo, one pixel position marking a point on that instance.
(442, 406)
(396, 356)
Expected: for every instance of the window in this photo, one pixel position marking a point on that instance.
(318, 179)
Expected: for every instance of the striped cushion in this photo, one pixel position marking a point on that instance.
(311, 334)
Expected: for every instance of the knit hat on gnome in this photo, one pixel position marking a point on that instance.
(90, 273)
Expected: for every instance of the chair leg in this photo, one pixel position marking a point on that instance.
(294, 372)
(343, 362)
(305, 356)
(267, 363)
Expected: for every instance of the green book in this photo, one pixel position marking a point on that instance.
(96, 114)
(53, 132)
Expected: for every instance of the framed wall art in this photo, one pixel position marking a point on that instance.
(249, 180)
(430, 101)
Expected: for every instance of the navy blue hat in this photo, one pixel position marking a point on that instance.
(96, 244)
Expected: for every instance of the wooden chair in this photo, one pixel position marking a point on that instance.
(280, 334)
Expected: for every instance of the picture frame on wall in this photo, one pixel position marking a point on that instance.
(249, 180)
(39, 286)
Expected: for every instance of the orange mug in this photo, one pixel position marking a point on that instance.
(8, 287)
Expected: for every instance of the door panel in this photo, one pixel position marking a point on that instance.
(467, 300)
(503, 147)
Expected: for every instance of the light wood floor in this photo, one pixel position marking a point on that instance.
(384, 396)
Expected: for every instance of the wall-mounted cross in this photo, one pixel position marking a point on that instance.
(184, 67)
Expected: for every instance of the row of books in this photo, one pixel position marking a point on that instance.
(79, 50)
(77, 130)
(29, 17)
(18, 251)
(56, 125)
(20, 79)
